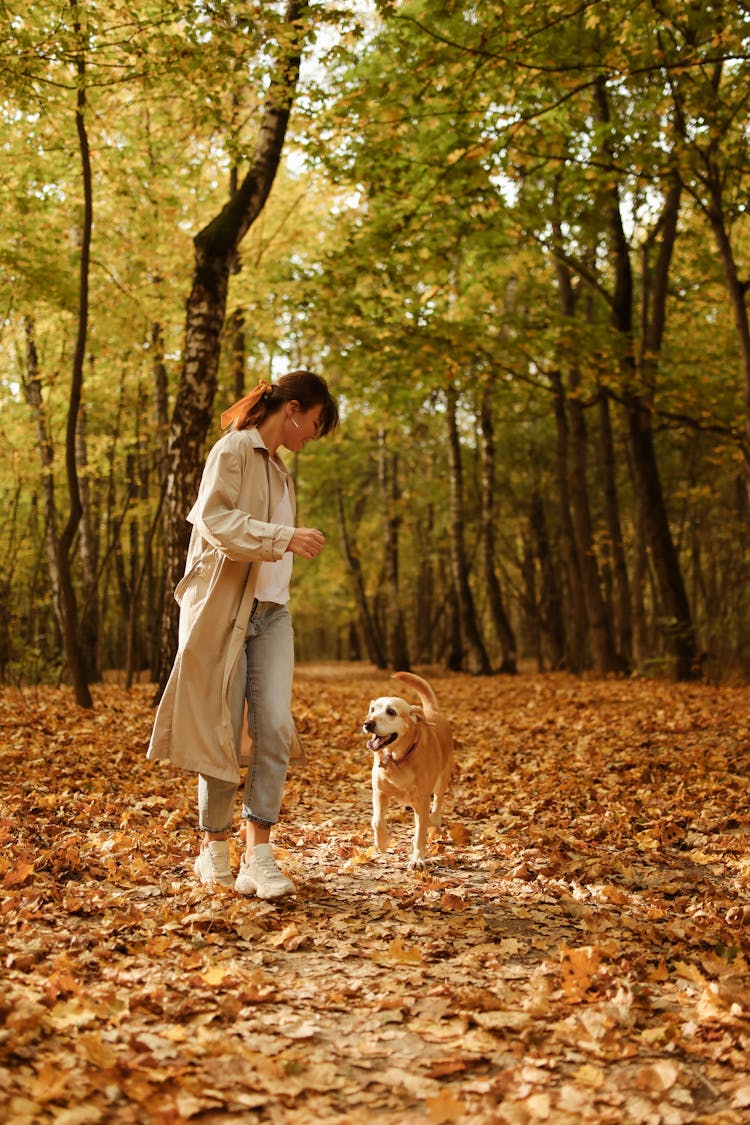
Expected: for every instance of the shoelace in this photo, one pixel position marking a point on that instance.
(220, 862)
(267, 864)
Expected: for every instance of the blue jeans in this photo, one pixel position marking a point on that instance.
(264, 679)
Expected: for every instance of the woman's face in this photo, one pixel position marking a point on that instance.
(301, 426)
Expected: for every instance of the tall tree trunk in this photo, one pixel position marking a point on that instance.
(531, 618)
(578, 623)
(597, 617)
(500, 619)
(33, 393)
(622, 602)
(600, 625)
(368, 628)
(712, 176)
(89, 626)
(640, 581)
(676, 620)
(737, 290)
(397, 648)
(60, 546)
(550, 595)
(427, 603)
(476, 655)
(216, 247)
(68, 603)
(155, 585)
(238, 352)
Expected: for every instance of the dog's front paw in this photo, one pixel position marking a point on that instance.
(381, 838)
(417, 863)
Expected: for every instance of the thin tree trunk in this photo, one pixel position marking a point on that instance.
(68, 603)
(640, 579)
(600, 625)
(398, 651)
(216, 247)
(33, 393)
(597, 617)
(550, 595)
(576, 633)
(370, 632)
(89, 625)
(622, 601)
(476, 654)
(238, 353)
(500, 619)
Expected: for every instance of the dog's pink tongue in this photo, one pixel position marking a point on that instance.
(374, 743)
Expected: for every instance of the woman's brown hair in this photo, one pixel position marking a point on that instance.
(304, 387)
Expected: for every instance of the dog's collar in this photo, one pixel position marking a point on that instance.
(387, 759)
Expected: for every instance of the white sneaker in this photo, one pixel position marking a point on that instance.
(212, 865)
(260, 876)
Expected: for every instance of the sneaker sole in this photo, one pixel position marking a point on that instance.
(267, 896)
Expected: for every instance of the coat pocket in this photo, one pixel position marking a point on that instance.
(182, 585)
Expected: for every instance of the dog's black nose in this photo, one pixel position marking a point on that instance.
(369, 725)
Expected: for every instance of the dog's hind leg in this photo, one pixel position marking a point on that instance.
(436, 811)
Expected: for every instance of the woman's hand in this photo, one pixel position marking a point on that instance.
(307, 542)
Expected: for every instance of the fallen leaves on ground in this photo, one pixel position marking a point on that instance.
(575, 951)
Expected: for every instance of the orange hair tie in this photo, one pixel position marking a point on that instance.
(244, 405)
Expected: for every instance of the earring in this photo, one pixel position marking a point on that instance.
(295, 423)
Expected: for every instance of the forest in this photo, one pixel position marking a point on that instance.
(513, 237)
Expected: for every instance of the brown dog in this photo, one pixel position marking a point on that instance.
(413, 759)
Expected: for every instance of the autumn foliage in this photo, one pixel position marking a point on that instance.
(566, 957)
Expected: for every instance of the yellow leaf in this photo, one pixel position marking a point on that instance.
(397, 952)
(689, 972)
(214, 974)
(590, 1075)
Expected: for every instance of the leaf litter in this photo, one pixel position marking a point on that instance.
(576, 950)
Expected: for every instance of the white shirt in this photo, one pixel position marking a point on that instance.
(274, 577)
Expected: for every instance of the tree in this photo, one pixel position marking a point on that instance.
(216, 246)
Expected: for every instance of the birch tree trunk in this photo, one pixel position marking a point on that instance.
(216, 246)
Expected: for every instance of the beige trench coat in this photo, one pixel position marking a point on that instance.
(231, 535)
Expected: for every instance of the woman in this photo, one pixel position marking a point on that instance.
(236, 644)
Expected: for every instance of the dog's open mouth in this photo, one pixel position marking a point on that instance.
(378, 741)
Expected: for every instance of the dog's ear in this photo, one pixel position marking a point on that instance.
(417, 714)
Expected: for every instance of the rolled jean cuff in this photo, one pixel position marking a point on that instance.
(204, 828)
(247, 815)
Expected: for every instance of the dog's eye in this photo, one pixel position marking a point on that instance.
(390, 711)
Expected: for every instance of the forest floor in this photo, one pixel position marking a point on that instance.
(576, 951)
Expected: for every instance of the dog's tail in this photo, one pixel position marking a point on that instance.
(423, 690)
